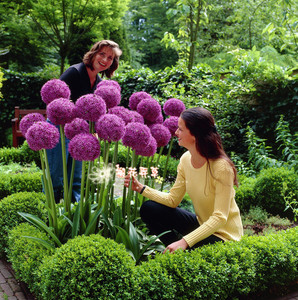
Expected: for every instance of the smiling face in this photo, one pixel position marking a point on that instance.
(185, 138)
(103, 59)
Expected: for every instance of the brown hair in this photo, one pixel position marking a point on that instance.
(89, 56)
(200, 122)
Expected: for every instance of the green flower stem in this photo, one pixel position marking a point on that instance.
(124, 188)
(46, 187)
(167, 161)
(65, 178)
(52, 203)
(115, 157)
(71, 180)
(130, 191)
(87, 191)
(82, 200)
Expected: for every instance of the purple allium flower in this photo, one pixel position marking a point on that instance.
(149, 108)
(173, 107)
(84, 146)
(136, 98)
(60, 111)
(110, 95)
(137, 117)
(158, 120)
(149, 149)
(136, 135)
(29, 120)
(110, 127)
(53, 89)
(161, 134)
(90, 107)
(111, 83)
(76, 126)
(42, 135)
(172, 124)
(123, 113)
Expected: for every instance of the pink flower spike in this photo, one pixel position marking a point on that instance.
(42, 135)
(28, 120)
(60, 111)
(54, 89)
(84, 146)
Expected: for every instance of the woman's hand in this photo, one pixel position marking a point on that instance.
(135, 184)
(181, 244)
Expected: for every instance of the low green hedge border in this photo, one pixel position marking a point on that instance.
(28, 202)
(97, 268)
(20, 182)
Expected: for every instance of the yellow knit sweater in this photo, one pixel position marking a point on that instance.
(212, 193)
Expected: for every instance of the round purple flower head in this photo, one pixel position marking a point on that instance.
(136, 98)
(84, 146)
(136, 135)
(149, 108)
(158, 120)
(110, 127)
(60, 111)
(173, 107)
(111, 83)
(42, 135)
(53, 89)
(172, 124)
(110, 95)
(149, 149)
(161, 134)
(137, 117)
(29, 120)
(90, 107)
(123, 113)
(76, 126)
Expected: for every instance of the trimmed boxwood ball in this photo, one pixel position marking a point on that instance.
(28, 202)
(26, 254)
(269, 186)
(88, 267)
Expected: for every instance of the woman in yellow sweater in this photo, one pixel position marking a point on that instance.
(207, 174)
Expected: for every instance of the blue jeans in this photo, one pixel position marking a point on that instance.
(56, 170)
(160, 218)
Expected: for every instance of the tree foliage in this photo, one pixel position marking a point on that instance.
(66, 22)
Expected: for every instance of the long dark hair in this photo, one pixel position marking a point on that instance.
(89, 56)
(200, 122)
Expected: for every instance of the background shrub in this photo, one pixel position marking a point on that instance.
(269, 186)
(32, 203)
(26, 254)
(20, 182)
(245, 193)
(88, 267)
(21, 155)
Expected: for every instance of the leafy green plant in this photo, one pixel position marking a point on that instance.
(290, 199)
(269, 186)
(29, 202)
(26, 255)
(101, 268)
(287, 143)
